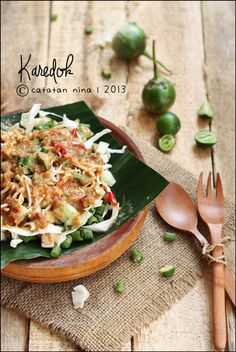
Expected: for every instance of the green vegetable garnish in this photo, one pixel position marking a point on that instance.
(76, 236)
(130, 42)
(206, 110)
(99, 217)
(205, 138)
(55, 252)
(92, 220)
(100, 210)
(45, 159)
(166, 142)
(136, 255)
(106, 74)
(47, 125)
(169, 236)
(67, 242)
(119, 287)
(37, 145)
(28, 163)
(86, 234)
(168, 123)
(84, 180)
(159, 93)
(167, 270)
(88, 30)
(53, 18)
(45, 150)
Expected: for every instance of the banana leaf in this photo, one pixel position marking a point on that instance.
(136, 183)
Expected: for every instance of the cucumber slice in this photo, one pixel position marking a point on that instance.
(205, 138)
(166, 143)
(167, 270)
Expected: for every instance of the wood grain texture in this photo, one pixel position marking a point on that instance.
(14, 331)
(25, 26)
(187, 325)
(220, 77)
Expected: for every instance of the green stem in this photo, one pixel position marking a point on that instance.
(154, 59)
(149, 56)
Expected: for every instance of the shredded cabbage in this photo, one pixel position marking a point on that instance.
(69, 123)
(27, 118)
(22, 232)
(89, 143)
(106, 224)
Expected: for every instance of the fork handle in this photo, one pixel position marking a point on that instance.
(218, 292)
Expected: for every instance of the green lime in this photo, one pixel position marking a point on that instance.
(167, 270)
(168, 123)
(166, 142)
(158, 95)
(205, 138)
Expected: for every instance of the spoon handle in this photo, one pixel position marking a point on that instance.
(229, 277)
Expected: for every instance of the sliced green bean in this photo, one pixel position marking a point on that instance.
(67, 242)
(87, 234)
(55, 252)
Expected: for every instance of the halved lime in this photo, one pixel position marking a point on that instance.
(168, 123)
(166, 142)
(167, 270)
(205, 138)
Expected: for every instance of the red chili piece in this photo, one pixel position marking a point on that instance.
(60, 148)
(74, 132)
(110, 198)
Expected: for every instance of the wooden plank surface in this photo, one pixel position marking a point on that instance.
(185, 46)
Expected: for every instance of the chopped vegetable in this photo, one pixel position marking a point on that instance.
(92, 220)
(119, 287)
(167, 270)
(51, 123)
(136, 255)
(67, 242)
(53, 17)
(88, 30)
(206, 110)
(84, 180)
(102, 147)
(205, 138)
(106, 224)
(37, 144)
(79, 296)
(86, 234)
(28, 163)
(110, 197)
(108, 178)
(166, 142)
(169, 236)
(67, 214)
(55, 252)
(89, 143)
(100, 210)
(168, 123)
(106, 73)
(76, 236)
(46, 159)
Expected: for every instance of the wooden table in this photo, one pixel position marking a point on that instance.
(196, 40)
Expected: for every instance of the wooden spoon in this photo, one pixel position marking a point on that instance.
(176, 207)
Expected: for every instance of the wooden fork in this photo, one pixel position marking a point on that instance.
(211, 209)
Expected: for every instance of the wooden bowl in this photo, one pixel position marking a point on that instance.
(93, 257)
